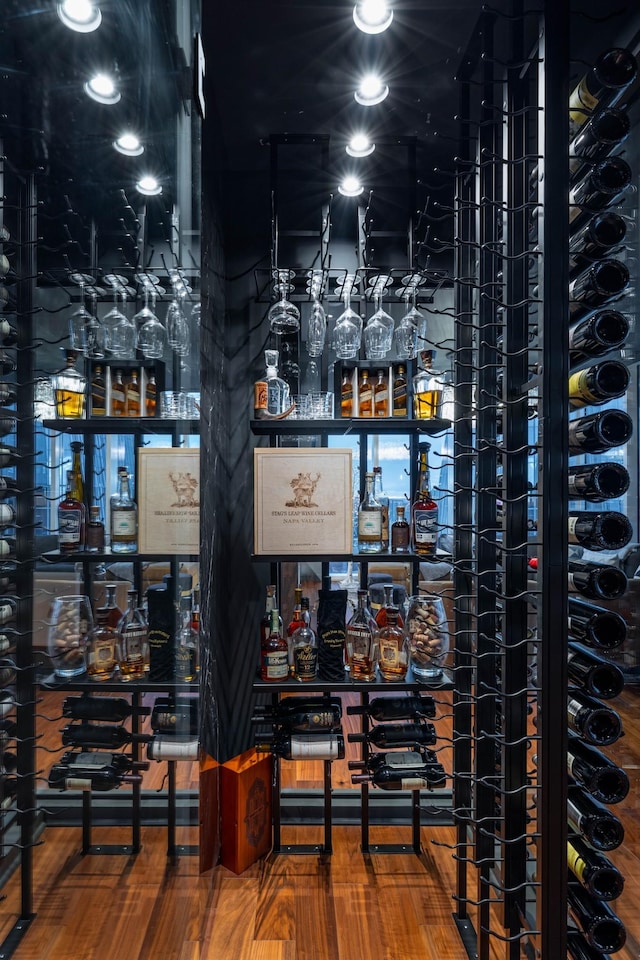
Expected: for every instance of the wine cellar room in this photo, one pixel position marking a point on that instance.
(319, 479)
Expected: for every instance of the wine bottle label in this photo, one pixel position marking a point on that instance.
(98, 399)
(575, 862)
(411, 783)
(425, 526)
(7, 515)
(276, 665)
(573, 709)
(400, 400)
(77, 783)
(315, 748)
(173, 750)
(382, 397)
(574, 816)
(408, 758)
(370, 525)
(582, 104)
(69, 527)
(579, 388)
(572, 529)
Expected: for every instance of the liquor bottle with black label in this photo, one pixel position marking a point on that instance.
(593, 673)
(594, 530)
(592, 820)
(595, 626)
(597, 581)
(599, 432)
(424, 510)
(98, 392)
(596, 772)
(592, 720)
(175, 716)
(597, 482)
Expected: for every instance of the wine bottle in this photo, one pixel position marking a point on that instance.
(597, 581)
(599, 431)
(602, 928)
(8, 608)
(595, 772)
(8, 487)
(597, 285)
(397, 735)
(105, 735)
(593, 673)
(602, 86)
(401, 770)
(172, 748)
(8, 421)
(8, 762)
(7, 363)
(594, 871)
(89, 775)
(597, 482)
(87, 707)
(595, 240)
(302, 715)
(396, 708)
(595, 626)
(603, 185)
(598, 137)
(304, 746)
(599, 531)
(592, 720)
(8, 789)
(8, 392)
(592, 820)
(597, 335)
(579, 949)
(9, 456)
(175, 716)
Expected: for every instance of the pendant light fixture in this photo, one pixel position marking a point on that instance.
(372, 16)
(83, 16)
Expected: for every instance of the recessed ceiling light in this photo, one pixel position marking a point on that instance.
(149, 186)
(350, 187)
(360, 146)
(129, 145)
(372, 90)
(83, 16)
(372, 16)
(102, 88)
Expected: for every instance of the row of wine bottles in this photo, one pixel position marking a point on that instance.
(167, 746)
(169, 715)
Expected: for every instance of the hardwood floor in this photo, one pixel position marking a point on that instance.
(347, 906)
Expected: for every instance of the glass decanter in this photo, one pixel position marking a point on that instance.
(69, 389)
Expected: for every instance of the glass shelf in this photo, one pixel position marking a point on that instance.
(345, 425)
(104, 425)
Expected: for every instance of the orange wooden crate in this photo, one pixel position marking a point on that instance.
(245, 803)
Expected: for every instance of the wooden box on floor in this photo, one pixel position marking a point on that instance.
(245, 802)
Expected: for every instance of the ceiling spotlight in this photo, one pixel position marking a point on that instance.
(148, 186)
(372, 16)
(129, 145)
(83, 16)
(350, 187)
(360, 146)
(102, 89)
(372, 90)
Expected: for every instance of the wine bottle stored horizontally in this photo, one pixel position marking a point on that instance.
(595, 626)
(8, 487)
(597, 581)
(597, 334)
(602, 928)
(593, 673)
(603, 85)
(303, 746)
(396, 708)
(597, 530)
(596, 772)
(595, 872)
(100, 735)
(597, 482)
(597, 285)
(598, 137)
(603, 185)
(87, 707)
(579, 949)
(592, 720)
(595, 240)
(397, 735)
(302, 714)
(592, 820)
(175, 716)
(63, 777)
(166, 747)
(9, 455)
(599, 431)
(403, 770)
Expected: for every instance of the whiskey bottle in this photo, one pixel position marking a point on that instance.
(102, 648)
(599, 531)
(598, 137)
(402, 770)
(592, 720)
(595, 626)
(369, 520)
(98, 392)
(602, 86)
(265, 623)
(69, 389)
(592, 820)
(346, 394)
(295, 622)
(71, 518)
(396, 708)
(602, 928)
(361, 643)
(133, 640)
(597, 285)
(597, 581)
(115, 613)
(87, 707)
(383, 500)
(187, 644)
(599, 432)
(400, 392)
(400, 533)
(595, 872)
(301, 714)
(597, 482)
(118, 395)
(381, 616)
(593, 673)
(381, 395)
(150, 396)
(272, 395)
(595, 772)
(305, 654)
(124, 517)
(595, 240)
(132, 402)
(95, 531)
(397, 735)
(275, 653)
(365, 395)
(303, 746)
(424, 510)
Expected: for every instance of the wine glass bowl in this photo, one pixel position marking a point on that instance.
(120, 331)
(176, 323)
(151, 333)
(347, 333)
(283, 316)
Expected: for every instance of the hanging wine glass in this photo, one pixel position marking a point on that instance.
(151, 333)
(347, 333)
(406, 333)
(94, 330)
(120, 332)
(378, 333)
(177, 326)
(78, 319)
(317, 319)
(284, 316)
(195, 314)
